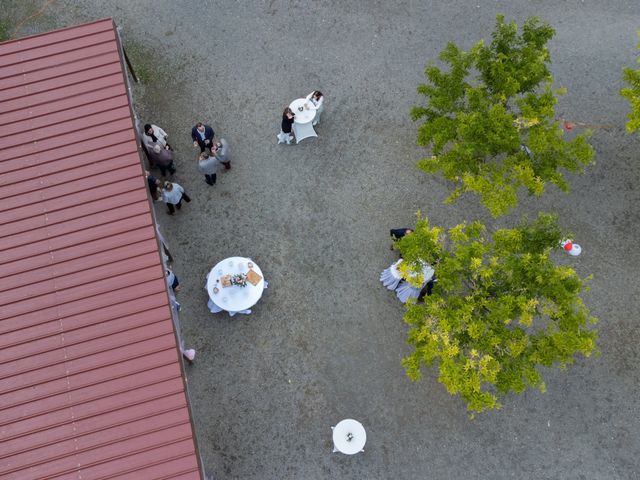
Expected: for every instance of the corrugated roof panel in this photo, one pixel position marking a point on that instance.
(90, 377)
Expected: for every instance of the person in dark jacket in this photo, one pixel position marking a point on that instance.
(163, 159)
(153, 184)
(202, 136)
(398, 233)
(287, 123)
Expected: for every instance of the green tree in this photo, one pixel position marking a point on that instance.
(632, 93)
(496, 132)
(499, 311)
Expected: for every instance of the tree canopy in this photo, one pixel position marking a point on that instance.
(496, 132)
(632, 93)
(499, 311)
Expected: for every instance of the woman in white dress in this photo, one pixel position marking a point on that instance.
(315, 101)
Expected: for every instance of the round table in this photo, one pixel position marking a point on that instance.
(234, 298)
(303, 121)
(349, 437)
(427, 271)
(304, 116)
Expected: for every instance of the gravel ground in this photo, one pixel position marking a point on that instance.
(326, 340)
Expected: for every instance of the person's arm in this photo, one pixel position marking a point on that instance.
(210, 137)
(161, 132)
(193, 135)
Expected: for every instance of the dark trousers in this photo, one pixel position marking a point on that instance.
(211, 179)
(178, 205)
(170, 167)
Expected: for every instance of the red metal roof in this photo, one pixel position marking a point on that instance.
(91, 384)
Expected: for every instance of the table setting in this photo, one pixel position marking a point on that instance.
(234, 285)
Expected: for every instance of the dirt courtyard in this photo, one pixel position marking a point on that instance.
(326, 340)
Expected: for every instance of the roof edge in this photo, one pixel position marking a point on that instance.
(19, 39)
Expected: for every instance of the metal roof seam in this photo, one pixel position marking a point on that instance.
(76, 419)
(92, 101)
(146, 282)
(22, 41)
(30, 94)
(62, 362)
(55, 261)
(117, 82)
(77, 342)
(82, 243)
(49, 223)
(66, 391)
(130, 470)
(66, 233)
(20, 59)
(124, 455)
(153, 366)
(82, 128)
(50, 162)
(96, 446)
(71, 119)
(35, 71)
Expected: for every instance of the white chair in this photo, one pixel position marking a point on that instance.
(406, 291)
(303, 130)
(284, 138)
(390, 277)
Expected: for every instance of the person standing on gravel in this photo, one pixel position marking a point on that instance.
(221, 151)
(315, 101)
(173, 194)
(202, 136)
(154, 135)
(163, 159)
(285, 135)
(208, 166)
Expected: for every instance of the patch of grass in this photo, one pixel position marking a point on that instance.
(141, 60)
(5, 32)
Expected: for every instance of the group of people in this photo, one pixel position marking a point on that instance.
(313, 101)
(159, 152)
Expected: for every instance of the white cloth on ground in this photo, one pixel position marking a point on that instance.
(390, 277)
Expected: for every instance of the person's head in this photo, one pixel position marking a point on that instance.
(217, 146)
(204, 155)
(157, 148)
(148, 129)
(317, 94)
(288, 113)
(168, 186)
(200, 126)
(408, 231)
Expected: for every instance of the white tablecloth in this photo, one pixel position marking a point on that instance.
(302, 122)
(349, 437)
(427, 271)
(390, 277)
(234, 298)
(304, 116)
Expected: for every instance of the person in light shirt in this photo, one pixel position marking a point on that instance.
(173, 194)
(315, 101)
